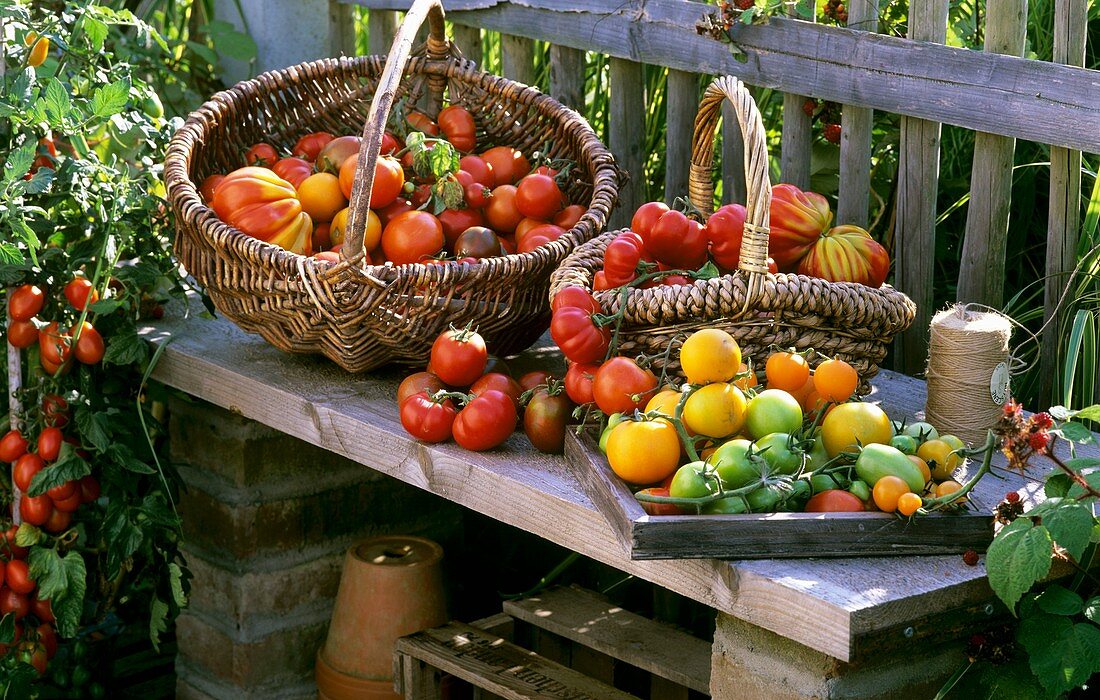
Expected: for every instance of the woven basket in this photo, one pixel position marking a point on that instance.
(363, 316)
(761, 310)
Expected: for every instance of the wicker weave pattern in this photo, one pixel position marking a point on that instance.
(364, 317)
(761, 310)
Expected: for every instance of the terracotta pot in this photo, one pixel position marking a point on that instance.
(333, 685)
(390, 587)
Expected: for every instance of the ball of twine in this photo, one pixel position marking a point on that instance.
(964, 350)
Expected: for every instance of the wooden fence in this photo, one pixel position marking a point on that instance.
(994, 92)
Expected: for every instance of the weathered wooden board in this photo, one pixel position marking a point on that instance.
(517, 58)
(797, 140)
(855, 140)
(681, 104)
(832, 605)
(567, 76)
(765, 535)
(588, 619)
(494, 664)
(382, 27)
(626, 125)
(1034, 100)
(468, 40)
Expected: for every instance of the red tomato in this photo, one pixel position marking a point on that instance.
(455, 221)
(459, 356)
(70, 504)
(80, 292)
(485, 422)
(422, 122)
(398, 207)
(12, 446)
(834, 501)
(416, 383)
(659, 508)
(49, 444)
(209, 186)
(89, 346)
(58, 521)
(508, 165)
(265, 206)
(578, 381)
(10, 549)
(333, 154)
(496, 381)
(646, 216)
(293, 170)
(621, 258)
(262, 155)
(25, 302)
(390, 144)
(545, 419)
(673, 280)
(89, 489)
(31, 653)
(13, 603)
(538, 197)
(724, 230)
(501, 212)
(677, 241)
(389, 180)
(567, 218)
(545, 232)
(479, 170)
(534, 378)
(797, 220)
(457, 124)
(55, 410)
(577, 335)
(55, 347)
(42, 609)
(620, 386)
(309, 146)
(575, 295)
(35, 510)
(47, 637)
(24, 470)
(18, 577)
(412, 237)
(22, 334)
(477, 195)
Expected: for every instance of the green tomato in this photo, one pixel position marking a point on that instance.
(817, 457)
(876, 461)
(726, 506)
(906, 443)
(777, 451)
(796, 498)
(860, 490)
(922, 431)
(612, 420)
(827, 482)
(689, 482)
(736, 465)
(773, 411)
(764, 499)
(152, 106)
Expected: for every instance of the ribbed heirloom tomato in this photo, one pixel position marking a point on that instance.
(620, 385)
(263, 205)
(578, 336)
(575, 295)
(621, 258)
(426, 419)
(797, 220)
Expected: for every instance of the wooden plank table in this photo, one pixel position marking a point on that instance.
(842, 607)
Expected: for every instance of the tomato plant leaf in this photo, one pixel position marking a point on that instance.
(175, 580)
(27, 535)
(106, 307)
(68, 467)
(110, 98)
(122, 537)
(19, 161)
(68, 608)
(124, 457)
(95, 30)
(1069, 524)
(94, 427)
(158, 621)
(1092, 609)
(56, 101)
(125, 348)
(1059, 600)
(40, 181)
(7, 628)
(10, 254)
(1019, 556)
(1062, 654)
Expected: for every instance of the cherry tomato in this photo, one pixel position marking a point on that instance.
(578, 381)
(38, 52)
(485, 422)
(33, 654)
(412, 237)
(80, 292)
(12, 446)
(834, 501)
(498, 382)
(620, 386)
(89, 346)
(55, 410)
(18, 577)
(25, 468)
(22, 334)
(477, 195)
(459, 356)
(887, 491)
(546, 417)
(534, 378)
(538, 196)
(35, 510)
(416, 383)
(89, 489)
(507, 164)
(773, 411)
(940, 457)
(578, 336)
(716, 410)
(457, 124)
(25, 302)
(909, 503)
(13, 603)
(658, 508)
(309, 146)
(787, 371)
(262, 155)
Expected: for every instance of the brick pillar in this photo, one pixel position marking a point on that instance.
(267, 519)
(751, 662)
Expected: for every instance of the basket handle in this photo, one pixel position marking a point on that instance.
(754, 242)
(381, 103)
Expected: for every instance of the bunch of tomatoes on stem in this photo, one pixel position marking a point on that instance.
(434, 198)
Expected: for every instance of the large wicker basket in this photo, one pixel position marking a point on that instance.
(761, 310)
(363, 316)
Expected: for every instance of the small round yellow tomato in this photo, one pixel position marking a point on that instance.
(850, 425)
(664, 402)
(710, 355)
(947, 488)
(909, 503)
(887, 491)
(643, 452)
(372, 237)
(940, 457)
(922, 465)
(321, 196)
(715, 410)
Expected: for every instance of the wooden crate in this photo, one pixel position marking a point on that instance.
(765, 535)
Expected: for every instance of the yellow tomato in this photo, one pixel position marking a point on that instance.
(643, 452)
(850, 425)
(710, 355)
(909, 503)
(665, 402)
(321, 196)
(716, 410)
(940, 458)
(371, 237)
(948, 487)
(887, 491)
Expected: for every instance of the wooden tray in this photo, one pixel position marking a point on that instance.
(765, 535)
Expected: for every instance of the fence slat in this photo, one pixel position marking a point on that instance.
(517, 58)
(797, 142)
(981, 273)
(918, 182)
(681, 102)
(469, 42)
(626, 125)
(733, 157)
(1064, 215)
(855, 136)
(567, 76)
(381, 27)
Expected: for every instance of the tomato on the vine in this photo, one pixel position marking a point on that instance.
(49, 444)
(887, 491)
(25, 302)
(22, 334)
(25, 468)
(13, 603)
(834, 501)
(11, 550)
(18, 577)
(55, 410)
(620, 386)
(80, 293)
(658, 508)
(787, 371)
(42, 609)
(12, 446)
(70, 504)
(89, 346)
(89, 488)
(578, 336)
(578, 381)
(485, 422)
(677, 241)
(458, 356)
(35, 510)
(710, 355)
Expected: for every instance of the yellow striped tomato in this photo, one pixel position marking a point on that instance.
(847, 254)
(263, 205)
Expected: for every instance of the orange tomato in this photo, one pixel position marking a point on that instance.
(786, 370)
(38, 53)
(909, 503)
(923, 466)
(835, 380)
(643, 452)
(321, 196)
(501, 213)
(261, 204)
(389, 178)
(208, 187)
(372, 237)
(508, 165)
(887, 491)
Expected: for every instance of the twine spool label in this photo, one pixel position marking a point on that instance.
(999, 384)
